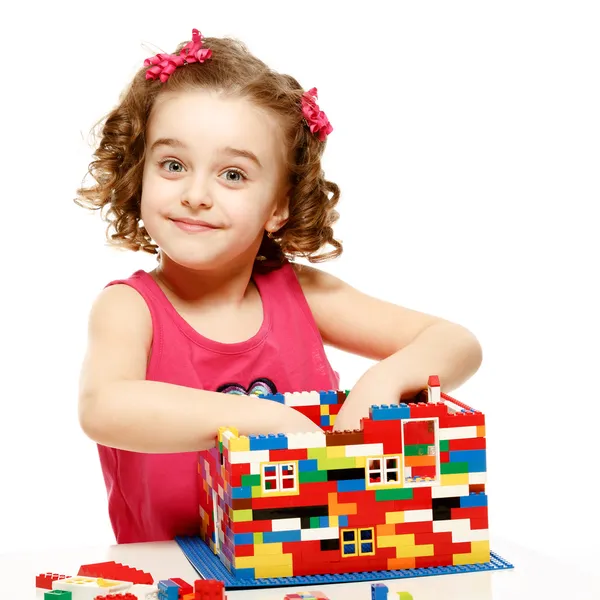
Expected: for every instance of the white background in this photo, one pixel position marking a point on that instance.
(466, 144)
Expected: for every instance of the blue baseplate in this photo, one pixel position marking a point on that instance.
(209, 566)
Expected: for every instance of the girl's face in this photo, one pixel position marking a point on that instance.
(214, 178)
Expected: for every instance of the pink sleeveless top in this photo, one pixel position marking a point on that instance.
(154, 497)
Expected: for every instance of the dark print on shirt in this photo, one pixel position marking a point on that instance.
(261, 386)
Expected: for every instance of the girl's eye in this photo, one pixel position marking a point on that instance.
(177, 166)
(234, 176)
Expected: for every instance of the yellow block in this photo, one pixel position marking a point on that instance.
(480, 553)
(222, 430)
(324, 409)
(455, 479)
(274, 571)
(268, 549)
(268, 560)
(361, 462)
(241, 444)
(258, 537)
(239, 516)
(332, 419)
(395, 541)
(392, 518)
(336, 451)
(334, 521)
(414, 551)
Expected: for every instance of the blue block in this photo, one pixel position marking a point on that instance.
(325, 421)
(343, 521)
(244, 573)
(271, 537)
(309, 464)
(328, 397)
(274, 397)
(239, 539)
(239, 493)
(379, 591)
(473, 500)
(351, 485)
(268, 442)
(474, 458)
(388, 412)
(168, 590)
(323, 521)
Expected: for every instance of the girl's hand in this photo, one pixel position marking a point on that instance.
(374, 387)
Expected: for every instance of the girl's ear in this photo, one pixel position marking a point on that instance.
(279, 217)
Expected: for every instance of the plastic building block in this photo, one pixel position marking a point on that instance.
(209, 589)
(143, 591)
(404, 492)
(126, 596)
(379, 591)
(168, 590)
(58, 595)
(44, 580)
(114, 570)
(404, 596)
(87, 588)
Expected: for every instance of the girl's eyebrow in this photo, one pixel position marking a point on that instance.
(174, 143)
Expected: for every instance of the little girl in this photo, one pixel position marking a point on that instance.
(212, 161)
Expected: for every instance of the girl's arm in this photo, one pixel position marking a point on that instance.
(119, 408)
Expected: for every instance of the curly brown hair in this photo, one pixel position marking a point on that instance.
(119, 156)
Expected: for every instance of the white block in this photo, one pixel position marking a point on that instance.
(364, 450)
(249, 456)
(286, 524)
(458, 433)
(302, 399)
(144, 592)
(477, 478)
(323, 533)
(87, 588)
(449, 491)
(473, 535)
(459, 526)
(254, 468)
(314, 439)
(416, 516)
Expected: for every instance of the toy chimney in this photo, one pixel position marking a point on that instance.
(433, 389)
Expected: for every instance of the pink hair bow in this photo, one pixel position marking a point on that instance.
(163, 65)
(316, 119)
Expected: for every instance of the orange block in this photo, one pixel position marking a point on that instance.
(400, 563)
(419, 461)
(336, 510)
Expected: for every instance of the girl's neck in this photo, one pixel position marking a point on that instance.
(209, 288)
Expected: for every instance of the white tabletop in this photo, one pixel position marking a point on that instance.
(534, 576)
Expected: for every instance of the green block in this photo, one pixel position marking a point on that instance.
(250, 480)
(394, 494)
(444, 445)
(416, 450)
(404, 596)
(60, 594)
(318, 453)
(453, 468)
(258, 538)
(313, 476)
(344, 462)
(315, 523)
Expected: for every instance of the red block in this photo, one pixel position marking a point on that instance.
(113, 570)
(299, 454)
(44, 580)
(184, 587)
(468, 444)
(209, 589)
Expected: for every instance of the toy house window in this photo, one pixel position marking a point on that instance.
(280, 477)
(420, 441)
(358, 542)
(383, 471)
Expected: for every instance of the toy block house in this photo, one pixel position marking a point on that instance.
(405, 491)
